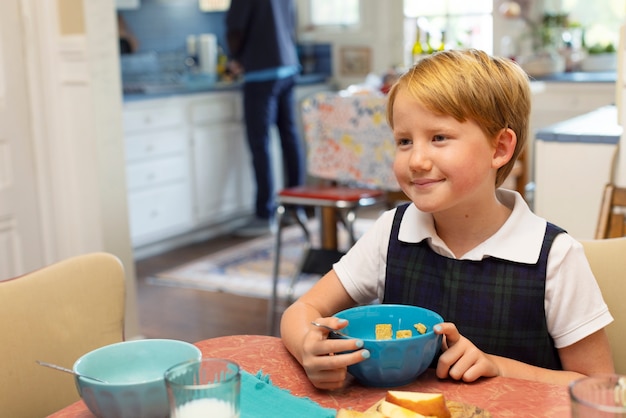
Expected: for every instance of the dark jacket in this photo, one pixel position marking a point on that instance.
(261, 33)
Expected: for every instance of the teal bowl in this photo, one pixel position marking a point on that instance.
(397, 361)
(134, 373)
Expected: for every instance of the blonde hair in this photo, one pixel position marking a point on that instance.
(470, 84)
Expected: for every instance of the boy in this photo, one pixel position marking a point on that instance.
(516, 292)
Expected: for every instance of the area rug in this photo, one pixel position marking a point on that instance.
(246, 269)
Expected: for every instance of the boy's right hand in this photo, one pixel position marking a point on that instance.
(325, 368)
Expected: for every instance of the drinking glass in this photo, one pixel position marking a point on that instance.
(598, 396)
(208, 388)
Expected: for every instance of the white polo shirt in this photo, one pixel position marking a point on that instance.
(573, 301)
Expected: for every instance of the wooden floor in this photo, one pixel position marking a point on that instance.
(193, 315)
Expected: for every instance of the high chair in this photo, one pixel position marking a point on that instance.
(350, 156)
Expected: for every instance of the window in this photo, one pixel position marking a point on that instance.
(448, 24)
(600, 20)
(334, 12)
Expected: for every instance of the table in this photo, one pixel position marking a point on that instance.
(503, 397)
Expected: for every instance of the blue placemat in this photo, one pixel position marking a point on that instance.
(260, 398)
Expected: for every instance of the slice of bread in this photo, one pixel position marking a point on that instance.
(391, 410)
(429, 404)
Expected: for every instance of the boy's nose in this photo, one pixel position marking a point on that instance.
(420, 160)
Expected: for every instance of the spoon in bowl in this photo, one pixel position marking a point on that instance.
(332, 330)
(70, 371)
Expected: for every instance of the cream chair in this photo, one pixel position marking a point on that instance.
(607, 258)
(55, 314)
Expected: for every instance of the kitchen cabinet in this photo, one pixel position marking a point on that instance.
(557, 101)
(127, 4)
(189, 170)
(223, 179)
(158, 176)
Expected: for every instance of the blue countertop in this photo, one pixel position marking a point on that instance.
(580, 77)
(145, 90)
(598, 127)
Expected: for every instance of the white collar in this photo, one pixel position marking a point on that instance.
(519, 239)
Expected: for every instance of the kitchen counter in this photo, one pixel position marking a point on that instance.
(599, 127)
(580, 77)
(160, 87)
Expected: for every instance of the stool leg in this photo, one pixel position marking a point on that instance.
(350, 219)
(305, 255)
(296, 274)
(271, 308)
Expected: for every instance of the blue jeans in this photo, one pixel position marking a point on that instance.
(266, 103)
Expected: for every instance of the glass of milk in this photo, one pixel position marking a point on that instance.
(206, 388)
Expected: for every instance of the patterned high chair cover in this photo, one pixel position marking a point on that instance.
(349, 140)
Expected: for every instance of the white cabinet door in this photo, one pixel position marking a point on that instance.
(157, 171)
(224, 187)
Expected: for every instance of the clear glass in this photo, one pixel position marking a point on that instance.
(207, 388)
(601, 396)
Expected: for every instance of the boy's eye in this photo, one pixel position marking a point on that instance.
(438, 138)
(403, 141)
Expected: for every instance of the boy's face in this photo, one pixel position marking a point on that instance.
(440, 163)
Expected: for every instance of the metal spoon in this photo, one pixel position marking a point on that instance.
(332, 330)
(70, 371)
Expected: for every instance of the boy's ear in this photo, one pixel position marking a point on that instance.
(505, 143)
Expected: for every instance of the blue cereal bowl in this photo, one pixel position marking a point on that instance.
(134, 374)
(396, 361)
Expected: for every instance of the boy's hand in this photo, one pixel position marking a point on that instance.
(461, 359)
(324, 368)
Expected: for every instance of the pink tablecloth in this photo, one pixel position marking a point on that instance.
(503, 397)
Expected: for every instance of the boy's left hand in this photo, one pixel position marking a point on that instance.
(461, 359)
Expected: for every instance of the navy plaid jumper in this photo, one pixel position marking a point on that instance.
(497, 304)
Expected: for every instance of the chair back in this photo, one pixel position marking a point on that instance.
(56, 314)
(607, 258)
(349, 140)
(611, 221)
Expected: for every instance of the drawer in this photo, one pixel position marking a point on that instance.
(217, 108)
(160, 213)
(153, 118)
(156, 144)
(153, 173)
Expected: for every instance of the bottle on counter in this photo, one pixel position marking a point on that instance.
(442, 44)
(429, 46)
(417, 50)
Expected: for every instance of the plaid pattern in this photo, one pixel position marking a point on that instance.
(497, 304)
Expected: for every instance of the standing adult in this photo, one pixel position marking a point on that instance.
(261, 42)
